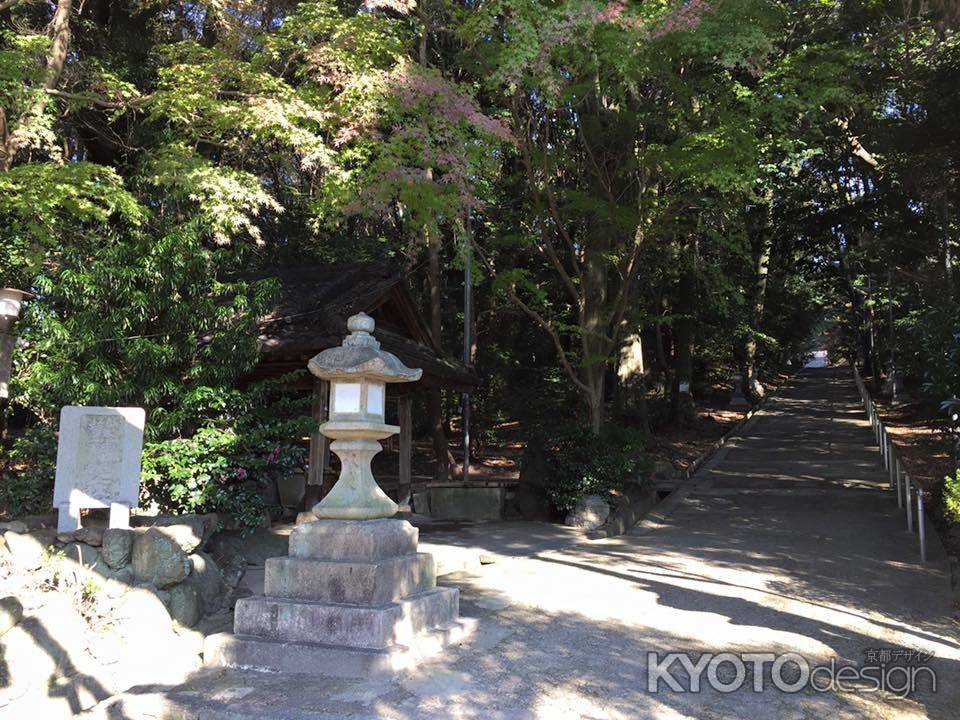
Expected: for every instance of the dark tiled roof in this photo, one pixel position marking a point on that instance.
(316, 301)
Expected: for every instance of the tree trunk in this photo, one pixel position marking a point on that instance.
(594, 345)
(871, 334)
(631, 376)
(659, 347)
(684, 328)
(947, 250)
(763, 247)
(13, 139)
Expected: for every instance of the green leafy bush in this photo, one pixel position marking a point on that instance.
(951, 497)
(26, 473)
(215, 470)
(224, 464)
(580, 462)
(245, 440)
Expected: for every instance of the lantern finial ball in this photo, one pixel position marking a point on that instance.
(361, 322)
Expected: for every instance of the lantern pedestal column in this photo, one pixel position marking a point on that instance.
(356, 495)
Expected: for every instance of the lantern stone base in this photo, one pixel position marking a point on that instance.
(354, 598)
(307, 658)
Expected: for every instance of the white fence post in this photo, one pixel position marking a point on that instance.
(909, 499)
(922, 525)
(899, 477)
(899, 473)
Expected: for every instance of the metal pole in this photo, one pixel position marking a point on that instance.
(922, 525)
(909, 499)
(893, 469)
(899, 485)
(873, 346)
(893, 351)
(467, 337)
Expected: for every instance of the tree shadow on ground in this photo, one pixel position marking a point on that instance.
(531, 663)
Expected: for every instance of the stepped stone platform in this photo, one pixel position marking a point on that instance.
(354, 598)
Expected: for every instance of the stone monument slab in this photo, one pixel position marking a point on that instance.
(98, 463)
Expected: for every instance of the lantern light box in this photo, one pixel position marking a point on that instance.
(357, 400)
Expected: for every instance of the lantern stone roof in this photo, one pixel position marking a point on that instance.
(311, 316)
(360, 356)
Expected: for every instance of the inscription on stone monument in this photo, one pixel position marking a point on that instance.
(98, 463)
(99, 457)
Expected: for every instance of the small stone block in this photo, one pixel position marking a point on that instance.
(119, 515)
(353, 540)
(68, 518)
(374, 583)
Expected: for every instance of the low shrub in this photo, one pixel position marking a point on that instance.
(27, 470)
(951, 497)
(223, 468)
(245, 439)
(581, 462)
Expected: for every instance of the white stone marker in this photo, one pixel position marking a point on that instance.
(98, 463)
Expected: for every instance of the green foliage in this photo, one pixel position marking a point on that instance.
(45, 208)
(26, 473)
(144, 321)
(612, 157)
(932, 348)
(223, 466)
(201, 474)
(951, 497)
(582, 462)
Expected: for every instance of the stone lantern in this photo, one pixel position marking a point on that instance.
(353, 597)
(11, 301)
(358, 372)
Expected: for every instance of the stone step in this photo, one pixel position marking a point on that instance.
(356, 626)
(361, 583)
(254, 653)
(353, 540)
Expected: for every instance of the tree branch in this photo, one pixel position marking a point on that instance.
(538, 318)
(57, 58)
(601, 175)
(551, 252)
(551, 201)
(855, 145)
(99, 102)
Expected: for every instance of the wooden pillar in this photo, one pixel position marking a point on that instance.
(319, 458)
(405, 414)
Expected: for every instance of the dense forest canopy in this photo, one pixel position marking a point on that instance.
(650, 195)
